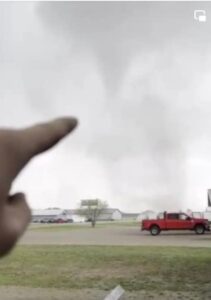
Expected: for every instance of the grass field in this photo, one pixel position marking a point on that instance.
(73, 226)
(57, 227)
(104, 267)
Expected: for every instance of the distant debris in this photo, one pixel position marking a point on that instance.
(115, 294)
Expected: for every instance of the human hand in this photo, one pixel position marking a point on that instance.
(17, 147)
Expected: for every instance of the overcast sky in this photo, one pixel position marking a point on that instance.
(137, 75)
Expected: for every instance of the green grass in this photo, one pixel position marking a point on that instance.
(73, 226)
(58, 227)
(103, 267)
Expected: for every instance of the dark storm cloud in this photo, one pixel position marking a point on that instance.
(149, 124)
(115, 32)
(137, 76)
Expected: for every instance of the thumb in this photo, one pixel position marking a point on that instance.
(16, 217)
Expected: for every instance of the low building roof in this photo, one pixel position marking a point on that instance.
(108, 211)
(128, 215)
(48, 212)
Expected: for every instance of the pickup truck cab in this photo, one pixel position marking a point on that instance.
(175, 221)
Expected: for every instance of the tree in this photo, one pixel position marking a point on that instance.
(92, 209)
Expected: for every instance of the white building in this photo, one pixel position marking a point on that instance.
(197, 214)
(147, 214)
(46, 215)
(107, 214)
(110, 214)
(78, 219)
(207, 215)
(130, 216)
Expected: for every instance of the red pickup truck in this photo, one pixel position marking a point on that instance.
(175, 221)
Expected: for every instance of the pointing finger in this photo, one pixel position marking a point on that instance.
(40, 138)
(17, 147)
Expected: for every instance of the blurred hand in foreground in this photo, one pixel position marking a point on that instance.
(17, 147)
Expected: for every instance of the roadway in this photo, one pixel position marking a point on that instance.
(111, 235)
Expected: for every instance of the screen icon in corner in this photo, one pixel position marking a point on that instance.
(200, 15)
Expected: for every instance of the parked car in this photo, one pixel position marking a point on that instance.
(60, 220)
(175, 221)
(44, 221)
(69, 221)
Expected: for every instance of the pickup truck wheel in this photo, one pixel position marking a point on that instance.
(199, 229)
(154, 230)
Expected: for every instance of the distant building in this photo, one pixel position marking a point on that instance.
(45, 215)
(130, 216)
(107, 214)
(197, 214)
(207, 215)
(75, 215)
(110, 214)
(147, 214)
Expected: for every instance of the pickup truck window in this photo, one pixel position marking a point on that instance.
(160, 216)
(183, 217)
(173, 216)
